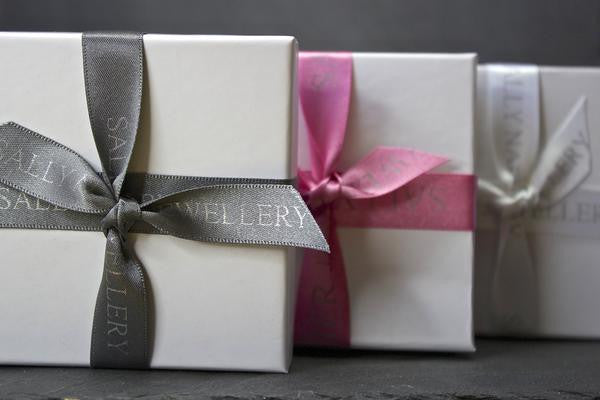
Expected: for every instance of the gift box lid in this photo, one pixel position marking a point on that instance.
(216, 87)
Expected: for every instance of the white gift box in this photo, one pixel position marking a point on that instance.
(409, 289)
(212, 106)
(557, 295)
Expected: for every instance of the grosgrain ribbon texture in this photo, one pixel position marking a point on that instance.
(225, 210)
(390, 187)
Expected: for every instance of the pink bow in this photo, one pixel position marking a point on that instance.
(323, 312)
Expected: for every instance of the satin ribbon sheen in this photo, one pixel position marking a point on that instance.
(52, 187)
(365, 195)
(528, 174)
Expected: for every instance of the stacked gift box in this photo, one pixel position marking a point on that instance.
(207, 202)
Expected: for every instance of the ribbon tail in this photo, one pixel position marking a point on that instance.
(237, 213)
(323, 304)
(514, 307)
(120, 331)
(567, 158)
(386, 169)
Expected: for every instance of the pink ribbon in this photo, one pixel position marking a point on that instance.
(388, 188)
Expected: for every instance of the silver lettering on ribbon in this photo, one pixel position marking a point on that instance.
(575, 153)
(116, 306)
(46, 176)
(43, 169)
(117, 149)
(15, 200)
(512, 118)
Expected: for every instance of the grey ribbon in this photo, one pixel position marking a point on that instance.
(49, 186)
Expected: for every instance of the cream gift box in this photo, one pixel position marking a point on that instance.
(550, 289)
(409, 289)
(207, 101)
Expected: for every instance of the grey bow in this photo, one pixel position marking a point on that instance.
(225, 210)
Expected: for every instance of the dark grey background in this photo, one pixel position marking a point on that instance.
(559, 32)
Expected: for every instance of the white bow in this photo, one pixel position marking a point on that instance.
(528, 173)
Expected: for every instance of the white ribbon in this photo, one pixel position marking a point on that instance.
(527, 174)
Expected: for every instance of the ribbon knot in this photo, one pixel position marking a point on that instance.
(515, 205)
(326, 191)
(125, 213)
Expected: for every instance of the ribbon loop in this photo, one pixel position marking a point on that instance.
(47, 170)
(512, 114)
(113, 65)
(325, 82)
